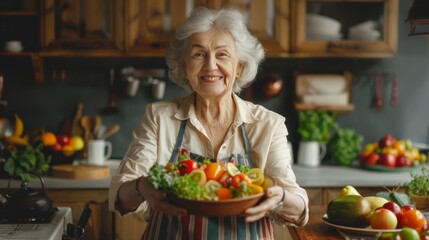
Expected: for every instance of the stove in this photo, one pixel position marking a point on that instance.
(50, 227)
(13, 219)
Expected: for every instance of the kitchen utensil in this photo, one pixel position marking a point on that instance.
(28, 202)
(112, 130)
(101, 131)
(99, 151)
(80, 171)
(111, 108)
(76, 129)
(394, 94)
(379, 101)
(87, 124)
(158, 89)
(273, 85)
(97, 124)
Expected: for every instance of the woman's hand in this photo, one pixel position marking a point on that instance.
(273, 197)
(157, 199)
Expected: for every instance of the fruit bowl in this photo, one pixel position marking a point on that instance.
(58, 157)
(361, 231)
(217, 208)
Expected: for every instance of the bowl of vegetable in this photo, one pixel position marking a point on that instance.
(210, 188)
(221, 208)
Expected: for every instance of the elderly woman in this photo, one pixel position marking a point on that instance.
(214, 57)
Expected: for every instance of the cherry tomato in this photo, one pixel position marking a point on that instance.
(214, 171)
(413, 218)
(238, 180)
(187, 166)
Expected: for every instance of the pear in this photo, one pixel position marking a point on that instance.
(349, 190)
(376, 202)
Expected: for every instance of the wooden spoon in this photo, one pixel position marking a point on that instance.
(87, 123)
(97, 124)
(112, 130)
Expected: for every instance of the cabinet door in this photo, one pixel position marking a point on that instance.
(150, 24)
(268, 20)
(20, 22)
(91, 26)
(344, 28)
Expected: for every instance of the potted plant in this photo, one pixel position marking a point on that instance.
(27, 162)
(418, 188)
(345, 145)
(315, 129)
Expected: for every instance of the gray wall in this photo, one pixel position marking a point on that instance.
(45, 106)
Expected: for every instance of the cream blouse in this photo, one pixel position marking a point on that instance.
(154, 138)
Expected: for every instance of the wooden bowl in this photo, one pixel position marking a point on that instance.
(216, 208)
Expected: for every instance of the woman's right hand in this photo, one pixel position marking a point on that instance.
(157, 199)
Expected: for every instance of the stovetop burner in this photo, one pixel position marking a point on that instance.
(46, 218)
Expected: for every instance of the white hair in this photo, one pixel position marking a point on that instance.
(250, 52)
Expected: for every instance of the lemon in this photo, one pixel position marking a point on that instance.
(48, 139)
(256, 175)
(77, 143)
(199, 176)
(232, 169)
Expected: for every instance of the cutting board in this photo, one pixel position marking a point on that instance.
(81, 171)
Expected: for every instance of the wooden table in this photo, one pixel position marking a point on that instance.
(315, 228)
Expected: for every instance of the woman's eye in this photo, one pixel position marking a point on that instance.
(199, 54)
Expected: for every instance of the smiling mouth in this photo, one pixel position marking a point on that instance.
(211, 78)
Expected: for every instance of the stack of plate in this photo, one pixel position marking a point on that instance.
(366, 31)
(321, 27)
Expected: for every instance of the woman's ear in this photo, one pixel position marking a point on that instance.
(240, 68)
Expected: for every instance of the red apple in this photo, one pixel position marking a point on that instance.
(387, 160)
(387, 140)
(372, 159)
(395, 208)
(403, 161)
(383, 219)
(406, 208)
(63, 139)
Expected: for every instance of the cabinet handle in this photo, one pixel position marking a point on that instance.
(347, 46)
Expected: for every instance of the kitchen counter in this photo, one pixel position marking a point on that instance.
(307, 177)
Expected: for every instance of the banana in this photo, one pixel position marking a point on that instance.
(19, 126)
(376, 202)
(349, 190)
(16, 141)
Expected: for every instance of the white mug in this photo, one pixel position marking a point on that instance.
(99, 150)
(311, 153)
(158, 89)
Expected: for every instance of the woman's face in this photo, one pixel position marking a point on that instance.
(211, 63)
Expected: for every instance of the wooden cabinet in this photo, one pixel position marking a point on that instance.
(268, 20)
(344, 28)
(151, 23)
(20, 21)
(74, 27)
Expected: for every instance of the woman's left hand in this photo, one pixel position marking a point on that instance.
(273, 197)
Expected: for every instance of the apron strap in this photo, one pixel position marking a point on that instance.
(179, 140)
(248, 157)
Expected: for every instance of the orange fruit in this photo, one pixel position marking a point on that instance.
(48, 139)
(68, 150)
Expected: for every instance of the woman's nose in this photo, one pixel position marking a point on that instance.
(211, 63)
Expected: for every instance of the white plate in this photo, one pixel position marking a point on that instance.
(363, 231)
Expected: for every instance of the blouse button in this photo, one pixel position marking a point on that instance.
(223, 147)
